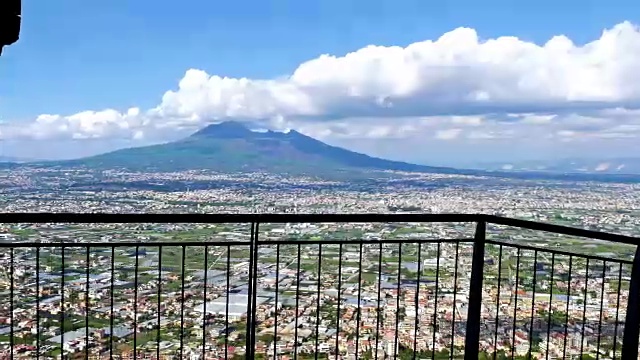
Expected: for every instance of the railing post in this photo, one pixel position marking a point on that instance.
(249, 343)
(254, 296)
(472, 340)
(631, 327)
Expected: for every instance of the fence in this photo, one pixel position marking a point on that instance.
(313, 286)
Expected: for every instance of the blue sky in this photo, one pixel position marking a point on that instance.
(75, 56)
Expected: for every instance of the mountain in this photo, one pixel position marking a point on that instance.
(232, 147)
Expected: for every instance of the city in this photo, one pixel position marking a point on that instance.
(318, 286)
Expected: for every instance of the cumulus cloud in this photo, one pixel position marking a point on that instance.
(459, 82)
(456, 74)
(83, 125)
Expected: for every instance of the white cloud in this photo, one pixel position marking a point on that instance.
(83, 125)
(456, 73)
(467, 120)
(491, 134)
(458, 80)
(448, 134)
(536, 119)
(567, 133)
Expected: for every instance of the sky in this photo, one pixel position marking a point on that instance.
(450, 82)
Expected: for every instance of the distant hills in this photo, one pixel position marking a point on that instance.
(626, 165)
(232, 147)
(13, 159)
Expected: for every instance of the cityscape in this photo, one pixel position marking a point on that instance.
(322, 290)
(299, 180)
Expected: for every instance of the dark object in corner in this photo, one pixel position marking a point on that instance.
(10, 14)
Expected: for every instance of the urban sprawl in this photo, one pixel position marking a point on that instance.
(325, 290)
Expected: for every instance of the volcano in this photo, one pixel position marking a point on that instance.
(232, 147)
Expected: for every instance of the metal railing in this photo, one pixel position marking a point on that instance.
(284, 288)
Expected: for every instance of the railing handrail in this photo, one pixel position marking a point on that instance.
(115, 218)
(201, 218)
(561, 229)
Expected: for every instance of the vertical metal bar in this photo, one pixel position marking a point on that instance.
(248, 343)
(584, 308)
(631, 329)
(472, 339)
(11, 294)
(226, 305)
(379, 314)
(275, 315)
(62, 330)
(297, 314)
(135, 304)
(254, 295)
(38, 303)
(359, 307)
(182, 275)
(396, 341)
(159, 299)
(615, 330)
(86, 305)
(417, 303)
(204, 304)
(495, 336)
(339, 293)
(455, 293)
(604, 274)
(553, 262)
(435, 305)
(515, 307)
(566, 318)
(318, 300)
(533, 299)
(112, 290)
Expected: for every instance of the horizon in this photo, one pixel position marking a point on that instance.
(225, 132)
(254, 128)
(514, 92)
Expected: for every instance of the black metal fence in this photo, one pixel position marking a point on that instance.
(313, 286)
